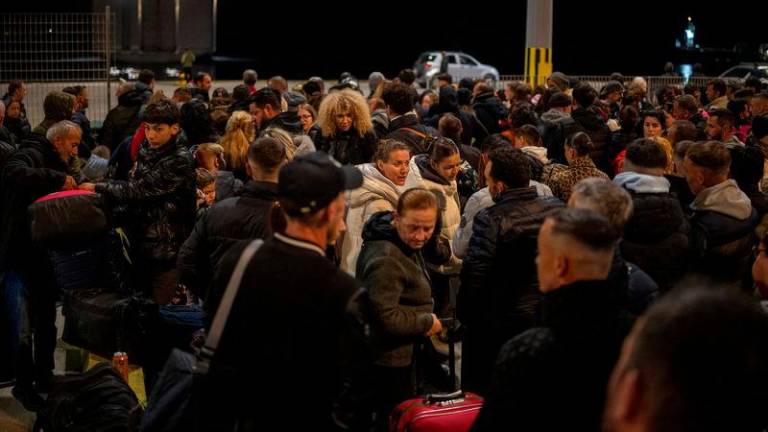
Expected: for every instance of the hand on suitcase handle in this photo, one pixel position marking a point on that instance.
(69, 183)
(436, 326)
(443, 397)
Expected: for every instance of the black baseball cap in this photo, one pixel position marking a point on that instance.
(310, 182)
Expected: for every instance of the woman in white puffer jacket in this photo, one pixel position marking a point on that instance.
(383, 181)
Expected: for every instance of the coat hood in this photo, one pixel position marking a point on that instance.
(57, 106)
(540, 153)
(492, 103)
(553, 115)
(288, 121)
(587, 119)
(642, 183)
(131, 98)
(725, 198)
(427, 172)
(375, 186)
(379, 227)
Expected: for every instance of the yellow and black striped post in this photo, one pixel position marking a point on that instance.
(538, 41)
(538, 65)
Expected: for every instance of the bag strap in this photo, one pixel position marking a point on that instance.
(415, 132)
(222, 313)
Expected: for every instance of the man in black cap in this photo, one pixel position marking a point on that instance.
(291, 324)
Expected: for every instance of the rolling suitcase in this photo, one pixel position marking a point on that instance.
(444, 412)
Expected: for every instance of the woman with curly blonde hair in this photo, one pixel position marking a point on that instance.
(346, 129)
(240, 132)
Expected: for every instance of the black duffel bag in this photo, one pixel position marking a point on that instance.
(64, 217)
(96, 400)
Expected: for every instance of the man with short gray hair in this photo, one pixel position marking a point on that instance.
(636, 289)
(38, 168)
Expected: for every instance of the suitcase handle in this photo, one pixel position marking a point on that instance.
(443, 397)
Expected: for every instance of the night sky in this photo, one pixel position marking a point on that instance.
(589, 37)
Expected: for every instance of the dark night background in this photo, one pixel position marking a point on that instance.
(297, 40)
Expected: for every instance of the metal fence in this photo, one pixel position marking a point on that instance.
(52, 51)
(598, 81)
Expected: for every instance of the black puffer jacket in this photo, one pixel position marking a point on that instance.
(599, 133)
(349, 147)
(31, 172)
(723, 244)
(499, 291)
(122, 120)
(399, 288)
(554, 377)
(160, 197)
(489, 110)
(225, 223)
(656, 237)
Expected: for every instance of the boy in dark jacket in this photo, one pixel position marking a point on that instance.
(160, 196)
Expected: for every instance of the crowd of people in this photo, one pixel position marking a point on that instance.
(602, 252)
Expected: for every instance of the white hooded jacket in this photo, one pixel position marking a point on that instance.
(377, 193)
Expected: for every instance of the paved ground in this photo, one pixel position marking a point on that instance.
(13, 416)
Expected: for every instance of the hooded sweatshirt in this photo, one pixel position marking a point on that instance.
(376, 194)
(657, 235)
(642, 183)
(724, 198)
(554, 115)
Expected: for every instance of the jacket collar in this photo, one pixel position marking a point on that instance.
(578, 302)
(517, 194)
(406, 120)
(261, 190)
(299, 243)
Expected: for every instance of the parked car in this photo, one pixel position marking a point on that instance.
(460, 65)
(742, 71)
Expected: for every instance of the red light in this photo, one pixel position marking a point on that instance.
(427, 65)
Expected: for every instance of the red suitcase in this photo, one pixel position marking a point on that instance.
(454, 412)
(444, 412)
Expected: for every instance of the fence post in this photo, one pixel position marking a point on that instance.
(108, 50)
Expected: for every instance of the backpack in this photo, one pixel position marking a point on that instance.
(425, 145)
(97, 400)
